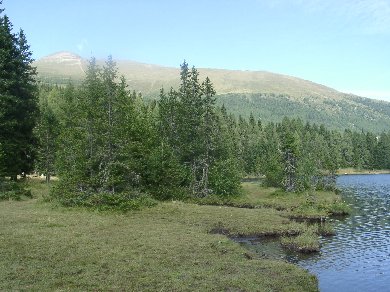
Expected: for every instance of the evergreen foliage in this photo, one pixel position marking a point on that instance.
(113, 145)
(46, 132)
(191, 127)
(111, 149)
(18, 110)
(18, 101)
(352, 113)
(103, 141)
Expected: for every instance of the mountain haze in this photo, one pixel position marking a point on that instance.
(268, 96)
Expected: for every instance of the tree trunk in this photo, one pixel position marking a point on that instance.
(47, 177)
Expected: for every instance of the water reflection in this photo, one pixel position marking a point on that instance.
(358, 257)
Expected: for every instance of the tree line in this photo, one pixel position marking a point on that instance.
(349, 112)
(102, 138)
(105, 143)
(111, 148)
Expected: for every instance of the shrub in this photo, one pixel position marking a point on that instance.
(225, 180)
(122, 201)
(10, 190)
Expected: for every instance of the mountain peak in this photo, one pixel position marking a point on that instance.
(63, 57)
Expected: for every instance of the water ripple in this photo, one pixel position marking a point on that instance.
(358, 257)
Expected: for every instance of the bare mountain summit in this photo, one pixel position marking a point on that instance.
(60, 67)
(63, 57)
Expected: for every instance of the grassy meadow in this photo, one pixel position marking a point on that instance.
(174, 246)
(308, 205)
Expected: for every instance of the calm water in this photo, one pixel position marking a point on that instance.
(358, 257)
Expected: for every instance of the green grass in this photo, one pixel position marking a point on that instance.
(305, 242)
(169, 247)
(326, 229)
(309, 205)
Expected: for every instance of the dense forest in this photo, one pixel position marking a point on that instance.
(105, 142)
(242, 93)
(111, 148)
(354, 113)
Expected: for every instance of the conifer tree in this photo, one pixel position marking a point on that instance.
(272, 159)
(107, 142)
(382, 151)
(46, 131)
(191, 128)
(18, 101)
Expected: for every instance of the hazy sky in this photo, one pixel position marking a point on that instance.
(344, 44)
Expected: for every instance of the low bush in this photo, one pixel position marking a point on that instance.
(123, 201)
(10, 190)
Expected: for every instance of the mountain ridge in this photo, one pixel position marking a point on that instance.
(268, 96)
(224, 80)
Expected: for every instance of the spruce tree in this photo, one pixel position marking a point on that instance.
(272, 159)
(190, 127)
(105, 144)
(18, 100)
(46, 131)
(382, 151)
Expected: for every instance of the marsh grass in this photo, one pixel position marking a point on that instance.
(305, 242)
(308, 205)
(326, 229)
(302, 207)
(168, 247)
(312, 205)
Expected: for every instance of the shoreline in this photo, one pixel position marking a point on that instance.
(174, 245)
(351, 171)
(187, 238)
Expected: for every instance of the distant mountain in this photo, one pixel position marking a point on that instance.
(60, 67)
(268, 96)
(149, 79)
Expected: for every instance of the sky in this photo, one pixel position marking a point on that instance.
(343, 44)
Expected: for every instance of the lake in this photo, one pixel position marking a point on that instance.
(357, 258)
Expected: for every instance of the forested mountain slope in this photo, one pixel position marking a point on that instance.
(268, 96)
(350, 112)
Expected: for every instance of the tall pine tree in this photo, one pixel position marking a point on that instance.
(46, 132)
(192, 130)
(18, 100)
